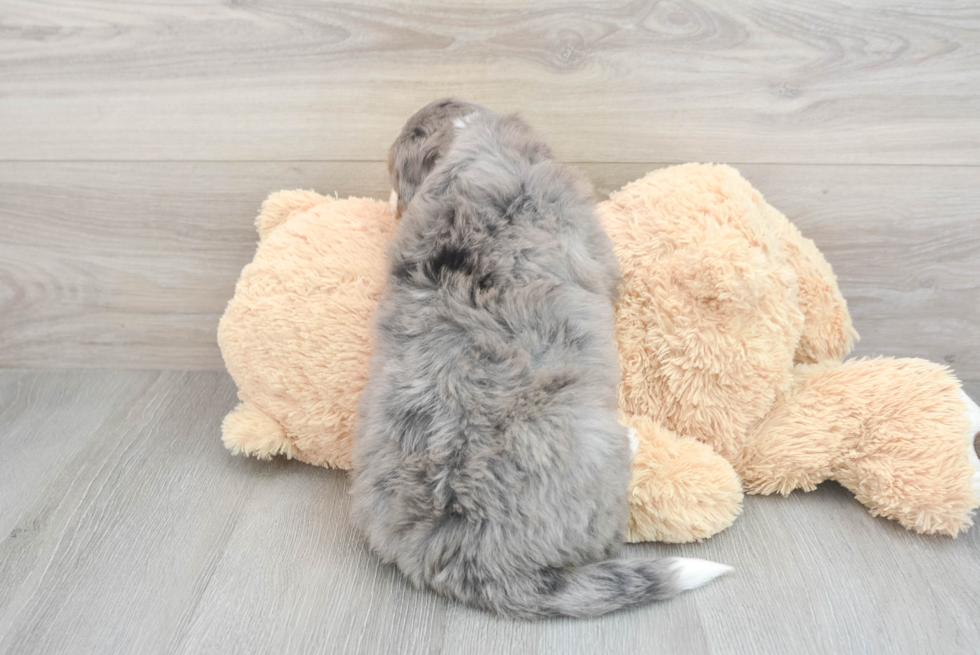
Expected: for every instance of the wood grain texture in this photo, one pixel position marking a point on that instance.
(741, 81)
(131, 264)
(134, 531)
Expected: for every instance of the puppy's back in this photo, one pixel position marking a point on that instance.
(489, 462)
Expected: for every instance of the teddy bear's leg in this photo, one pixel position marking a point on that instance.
(796, 444)
(827, 329)
(680, 489)
(921, 475)
(250, 431)
(893, 431)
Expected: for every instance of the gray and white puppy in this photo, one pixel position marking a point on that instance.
(488, 461)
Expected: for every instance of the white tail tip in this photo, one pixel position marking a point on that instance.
(692, 573)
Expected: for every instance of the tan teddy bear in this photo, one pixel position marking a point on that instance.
(731, 331)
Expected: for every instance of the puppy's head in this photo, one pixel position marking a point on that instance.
(423, 141)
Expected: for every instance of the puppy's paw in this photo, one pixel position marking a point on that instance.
(972, 412)
(634, 442)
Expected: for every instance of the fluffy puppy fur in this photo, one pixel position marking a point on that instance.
(488, 461)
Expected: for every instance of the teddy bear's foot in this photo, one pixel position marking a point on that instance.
(247, 430)
(680, 490)
(972, 412)
(914, 461)
(893, 431)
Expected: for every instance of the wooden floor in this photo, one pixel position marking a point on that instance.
(137, 141)
(129, 529)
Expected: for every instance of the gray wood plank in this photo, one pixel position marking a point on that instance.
(156, 540)
(46, 422)
(745, 81)
(151, 537)
(49, 420)
(116, 547)
(131, 265)
(296, 578)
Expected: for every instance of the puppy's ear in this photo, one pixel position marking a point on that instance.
(431, 157)
(414, 162)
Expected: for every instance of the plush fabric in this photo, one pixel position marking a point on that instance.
(680, 490)
(708, 320)
(731, 330)
(890, 430)
(295, 337)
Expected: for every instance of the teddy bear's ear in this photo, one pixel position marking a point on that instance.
(827, 329)
(283, 205)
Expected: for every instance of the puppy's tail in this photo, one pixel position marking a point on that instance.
(595, 589)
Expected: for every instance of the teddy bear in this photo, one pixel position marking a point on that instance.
(731, 333)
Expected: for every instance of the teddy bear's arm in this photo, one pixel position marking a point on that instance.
(680, 489)
(827, 329)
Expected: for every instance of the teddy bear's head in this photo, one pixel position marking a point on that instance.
(296, 335)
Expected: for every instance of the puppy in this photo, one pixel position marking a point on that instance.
(488, 461)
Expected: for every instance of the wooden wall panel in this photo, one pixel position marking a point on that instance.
(738, 81)
(131, 264)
